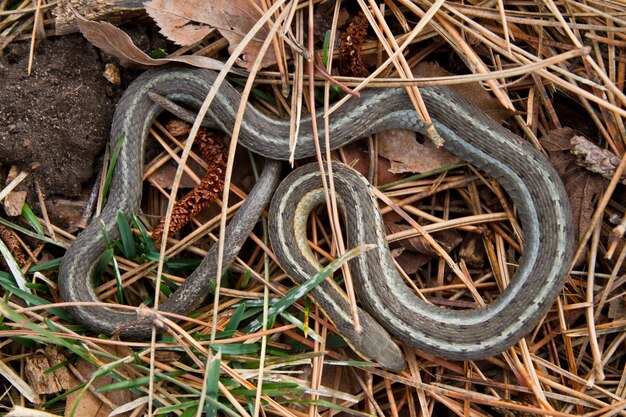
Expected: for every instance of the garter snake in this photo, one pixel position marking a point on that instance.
(523, 172)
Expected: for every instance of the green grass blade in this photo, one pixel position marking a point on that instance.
(138, 382)
(325, 48)
(103, 263)
(105, 236)
(236, 348)
(32, 299)
(44, 335)
(235, 319)
(303, 289)
(187, 405)
(148, 249)
(15, 269)
(213, 378)
(115, 153)
(30, 233)
(46, 266)
(245, 279)
(30, 217)
(128, 243)
(118, 281)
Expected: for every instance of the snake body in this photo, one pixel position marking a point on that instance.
(523, 172)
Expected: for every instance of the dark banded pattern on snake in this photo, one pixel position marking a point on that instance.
(524, 173)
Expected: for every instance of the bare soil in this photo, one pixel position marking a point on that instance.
(59, 116)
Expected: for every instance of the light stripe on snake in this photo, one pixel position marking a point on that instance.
(524, 173)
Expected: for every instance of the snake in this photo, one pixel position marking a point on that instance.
(389, 308)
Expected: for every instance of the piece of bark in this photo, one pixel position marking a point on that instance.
(44, 382)
(113, 11)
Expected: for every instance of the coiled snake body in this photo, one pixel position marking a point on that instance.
(523, 172)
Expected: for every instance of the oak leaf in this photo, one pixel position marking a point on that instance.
(187, 22)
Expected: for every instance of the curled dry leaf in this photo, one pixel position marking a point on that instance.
(67, 212)
(114, 41)
(406, 154)
(583, 187)
(163, 175)
(188, 22)
(14, 202)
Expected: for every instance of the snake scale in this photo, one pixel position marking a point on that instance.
(521, 170)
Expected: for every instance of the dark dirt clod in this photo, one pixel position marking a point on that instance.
(59, 116)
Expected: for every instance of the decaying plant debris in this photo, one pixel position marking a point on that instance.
(555, 71)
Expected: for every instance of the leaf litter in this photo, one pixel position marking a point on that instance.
(550, 372)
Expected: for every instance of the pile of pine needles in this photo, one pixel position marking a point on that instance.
(536, 58)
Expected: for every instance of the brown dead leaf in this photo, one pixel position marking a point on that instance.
(89, 404)
(448, 239)
(323, 19)
(416, 251)
(115, 42)
(177, 127)
(357, 156)
(406, 154)
(583, 187)
(411, 262)
(473, 92)
(176, 21)
(187, 22)
(67, 213)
